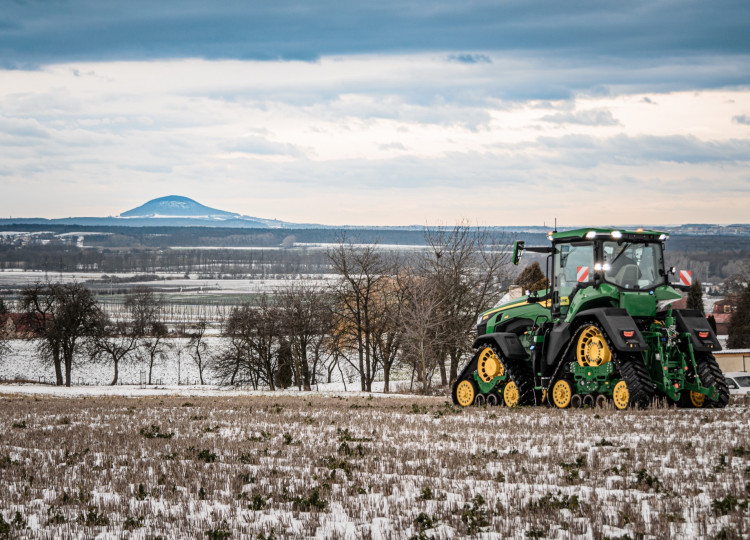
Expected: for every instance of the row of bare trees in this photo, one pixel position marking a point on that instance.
(412, 311)
(387, 310)
(69, 325)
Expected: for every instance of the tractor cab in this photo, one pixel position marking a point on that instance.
(625, 262)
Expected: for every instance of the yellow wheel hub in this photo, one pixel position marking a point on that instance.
(697, 399)
(592, 349)
(561, 394)
(621, 395)
(488, 365)
(465, 393)
(510, 394)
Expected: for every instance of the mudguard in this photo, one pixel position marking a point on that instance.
(614, 321)
(691, 320)
(507, 342)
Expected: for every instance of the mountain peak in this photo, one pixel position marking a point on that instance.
(173, 206)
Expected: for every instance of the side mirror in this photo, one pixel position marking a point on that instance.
(518, 247)
(672, 270)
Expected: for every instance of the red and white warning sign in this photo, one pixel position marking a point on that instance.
(686, 277)
(583, 273)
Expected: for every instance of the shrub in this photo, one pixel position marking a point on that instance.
(312, 501)
(474, 516)
(154, 432)
(92, 518)
(207, 456)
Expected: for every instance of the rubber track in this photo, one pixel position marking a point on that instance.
(711, 375)
(634, 373)
(520, 372)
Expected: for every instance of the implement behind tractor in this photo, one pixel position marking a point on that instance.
(603, 332)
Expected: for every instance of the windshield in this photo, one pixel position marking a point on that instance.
(633, 265)
(573, 263)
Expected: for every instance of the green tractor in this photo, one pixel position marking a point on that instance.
(603, 332)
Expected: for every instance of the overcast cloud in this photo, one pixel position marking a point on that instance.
(379, 112)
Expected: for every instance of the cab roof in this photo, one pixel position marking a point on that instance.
(590, 233)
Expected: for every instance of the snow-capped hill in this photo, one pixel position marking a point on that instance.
(175, 206)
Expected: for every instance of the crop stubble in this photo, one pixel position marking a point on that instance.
(299, 466)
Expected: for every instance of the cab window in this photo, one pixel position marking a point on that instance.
(572, 262)
(633, 265)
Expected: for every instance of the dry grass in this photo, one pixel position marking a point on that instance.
(357, 467)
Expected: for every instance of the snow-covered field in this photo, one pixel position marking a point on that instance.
(302, 466)
(176, 368)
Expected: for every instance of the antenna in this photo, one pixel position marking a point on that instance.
(555, 225)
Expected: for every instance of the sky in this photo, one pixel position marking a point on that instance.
(591, 112)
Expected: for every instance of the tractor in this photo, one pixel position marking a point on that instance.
(602, 332)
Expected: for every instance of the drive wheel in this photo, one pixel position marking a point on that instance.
(711, 375)
(636, 388)
(561, 394)
(465, 393)
(510, 395)
(592, 349)
(621, 395)
(489, 365)
(692, 400)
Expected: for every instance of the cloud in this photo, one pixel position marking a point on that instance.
(259, 146)
(470, 58)
(22, 129)
(585, 151)
(594, 117)
(32, 33)
(742, 119)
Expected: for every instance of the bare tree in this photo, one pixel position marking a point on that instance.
(390, 323)
(422, 322)
(153, 346)
(65, 316)
(198, 347)
(235, 362)
(265, 339)
(470, 268)
(362, 271)
(5, 347)
(144, 308)
(304, 313)
(38, 302)
(113, 343)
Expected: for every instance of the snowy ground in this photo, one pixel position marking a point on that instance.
(303, 466)
(177, 368)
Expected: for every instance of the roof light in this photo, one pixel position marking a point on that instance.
(598, 267)
(591, 234)
(639, 229)
(616, 234)
(606, 267)
(662, 237)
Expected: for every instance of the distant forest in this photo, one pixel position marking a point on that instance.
(148, 249)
